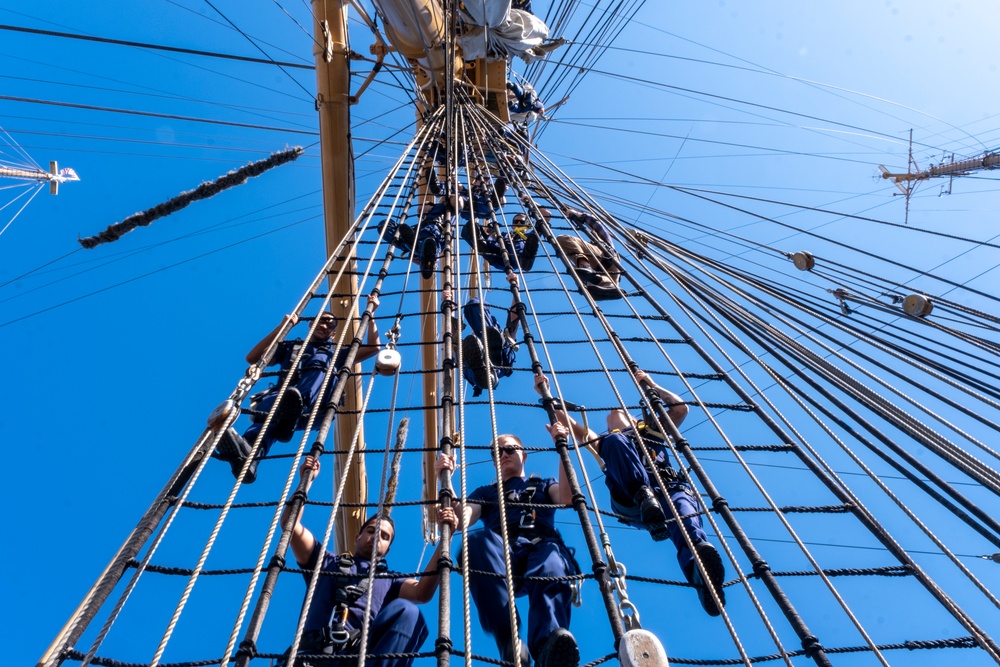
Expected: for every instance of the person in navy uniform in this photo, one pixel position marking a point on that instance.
(640, 501)
(301, 393)
(536, 550)
(427, 243)
(338, 610)
(521, 242)
(523, 104)
(500, 343)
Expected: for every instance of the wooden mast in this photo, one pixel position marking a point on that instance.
(333, 102)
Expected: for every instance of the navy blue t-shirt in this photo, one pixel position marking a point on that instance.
(384, 590)
(486, 497)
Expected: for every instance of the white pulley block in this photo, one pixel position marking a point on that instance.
(641, 648)
(220, 414)
(803, 261)
(917, 305)
(387, 362)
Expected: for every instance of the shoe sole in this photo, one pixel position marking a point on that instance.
(655, 522)
(562, 653)
(527, 259)
(428, 257)
(716, 571)
(473, 357)
(494, 340)
(232, 452)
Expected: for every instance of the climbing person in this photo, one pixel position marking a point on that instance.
(340, 602)
(427, 243)
(536, 550)
(523, 104)
(301, 393)
(639, 499)
(485, 198)
(597, 265)
(520, 243)
(500, 342)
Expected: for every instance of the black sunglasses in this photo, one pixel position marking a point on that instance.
(507, 450)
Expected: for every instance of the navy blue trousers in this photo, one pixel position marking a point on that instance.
(625, 474)
(548, 601)
(310, 380)
(399, 627)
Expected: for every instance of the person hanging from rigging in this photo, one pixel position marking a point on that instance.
(523, 105)
(300, 395)
(520, 244)
(427, 243)
(536, 550)
(501, 343)
(596, 263)
(339, 603)
(637, 497)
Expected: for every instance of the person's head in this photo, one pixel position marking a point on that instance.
(510, 449)
(326, 326)
(364, 544)
(519, 219)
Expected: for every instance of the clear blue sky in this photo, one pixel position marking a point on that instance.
(117, 355)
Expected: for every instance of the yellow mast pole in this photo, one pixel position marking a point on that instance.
(333, 93)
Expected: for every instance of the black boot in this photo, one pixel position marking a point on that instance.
(235, 450)
(651, 514)
(716, 571)
(560, 650)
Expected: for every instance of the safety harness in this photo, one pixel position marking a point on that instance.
(523, 523)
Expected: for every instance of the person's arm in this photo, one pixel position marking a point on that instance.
(560, 492)
(512, 319)
(257, 351)
(422, 590)
(302, 541)
(473, 510)
(372, 345)
(677, 410)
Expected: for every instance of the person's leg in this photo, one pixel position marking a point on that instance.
(627, 480)
(549, 602)
(687, 508)
(399, 627)
(489, 593)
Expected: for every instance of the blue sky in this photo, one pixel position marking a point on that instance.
(118, 354)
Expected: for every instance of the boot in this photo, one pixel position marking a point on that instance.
(716, 571)
(560, 650)
(235, 450)
(651, 514)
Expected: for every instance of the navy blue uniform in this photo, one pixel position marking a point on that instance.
(502, 354)
(536, 552)
(312, 369)
(626, 474)
(491, 247)
(397, 626)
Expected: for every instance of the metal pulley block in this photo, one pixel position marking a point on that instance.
(387, 362)
(803, 260)
(221, 414)
(917, 305)
(641, 648)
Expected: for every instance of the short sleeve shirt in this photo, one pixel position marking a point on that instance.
(384, 590)
(486, 497)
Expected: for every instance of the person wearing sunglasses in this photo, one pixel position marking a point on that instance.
(317, 358)
(535, 548)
